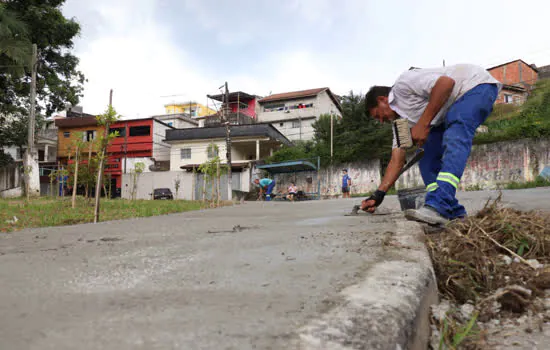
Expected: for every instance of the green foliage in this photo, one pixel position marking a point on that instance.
(531, 121)
(538, 182)
(15, 47)
(356, 136)
(58, 80)
(5, 158)
(300, 150)
(23, 22)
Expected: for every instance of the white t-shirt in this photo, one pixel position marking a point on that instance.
(410, 94)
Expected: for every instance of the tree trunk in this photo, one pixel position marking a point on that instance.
(218, 182)
(75, 182)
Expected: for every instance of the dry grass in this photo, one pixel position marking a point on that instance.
(488, 260)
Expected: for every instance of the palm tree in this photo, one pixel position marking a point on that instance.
(15, 48)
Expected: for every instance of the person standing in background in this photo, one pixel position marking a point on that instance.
(346, 184)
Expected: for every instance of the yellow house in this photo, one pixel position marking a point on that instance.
(192, 108)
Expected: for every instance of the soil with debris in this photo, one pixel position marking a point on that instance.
(493, 273)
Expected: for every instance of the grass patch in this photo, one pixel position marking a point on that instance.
(538, 182)
(45, 212)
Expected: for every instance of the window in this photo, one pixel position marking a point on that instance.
(66, 134)
(89, 135)
(40, 155)
(301, 106)
(121, 131)
(212, 152)
(140, 131)
(185, 153)
(508, 98)
(295, 124)
(281, 124)
(273, 107)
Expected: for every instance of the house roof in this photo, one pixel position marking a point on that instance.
(263, 130)
(182, 116)
(503, 64)
(513, 88)
(233, 96)
(74, 122)
(300, 94)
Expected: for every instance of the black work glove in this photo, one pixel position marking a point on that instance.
(377, 197)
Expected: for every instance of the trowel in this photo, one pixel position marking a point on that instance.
(418, 155)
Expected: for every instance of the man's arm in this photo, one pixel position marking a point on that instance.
(391, 175)
(438, 97)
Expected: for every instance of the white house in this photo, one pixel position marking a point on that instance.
(249, 143)
(293, 113)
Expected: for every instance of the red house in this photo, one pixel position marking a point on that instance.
(517, 78)
(138, 140)
(242, 108)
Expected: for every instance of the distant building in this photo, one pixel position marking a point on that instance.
(293, 113)
(249, 143)
(242, 108)
(190, 108)
(518, 79)
(138, 140)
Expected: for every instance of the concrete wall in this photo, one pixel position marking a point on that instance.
(493, 165)
(290, 131)
(365, 177)
(165, 179)
(11, 177)
(161, 149)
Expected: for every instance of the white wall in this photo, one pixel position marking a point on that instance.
(131, 163)
(306, 132)
(162, 179)
(161, 149)
(289, 113)
(199, 153)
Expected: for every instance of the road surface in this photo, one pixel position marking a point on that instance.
(245, 277)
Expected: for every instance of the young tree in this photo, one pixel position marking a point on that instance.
(177, 184)
(78, 144)
(106, 119)
(139, 167)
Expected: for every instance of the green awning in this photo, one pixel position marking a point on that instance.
(288, 167)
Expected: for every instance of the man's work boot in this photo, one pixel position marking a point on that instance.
(426, 215)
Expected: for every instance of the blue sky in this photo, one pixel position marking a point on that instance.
(149, 49)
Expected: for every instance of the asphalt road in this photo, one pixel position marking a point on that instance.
(244, 277)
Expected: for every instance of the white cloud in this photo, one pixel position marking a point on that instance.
(345, 45)
(135, 56)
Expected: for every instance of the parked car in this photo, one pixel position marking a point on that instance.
(162, 193)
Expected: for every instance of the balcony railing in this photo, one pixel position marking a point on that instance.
(233, 118)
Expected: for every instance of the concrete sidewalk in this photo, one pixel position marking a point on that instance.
(245, 277)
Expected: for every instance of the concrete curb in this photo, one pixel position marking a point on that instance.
(389, 309)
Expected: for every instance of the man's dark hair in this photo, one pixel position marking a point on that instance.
(371, 98)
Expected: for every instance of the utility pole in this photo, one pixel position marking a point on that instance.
(331, 134)
(125, 145)
(228, 144)
(100, 166)
(31, 168)
(32, 112)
